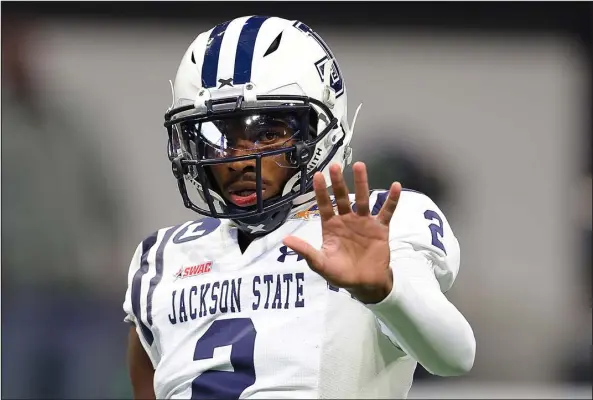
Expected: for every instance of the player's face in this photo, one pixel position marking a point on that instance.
(236, 180)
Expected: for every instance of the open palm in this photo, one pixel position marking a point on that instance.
(355, 251)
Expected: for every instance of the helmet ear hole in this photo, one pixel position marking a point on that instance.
(274, 46)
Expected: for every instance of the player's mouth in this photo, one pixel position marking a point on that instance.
(244, 198)
(243, 194)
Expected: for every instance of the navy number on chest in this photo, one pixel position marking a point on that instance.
(238, 333)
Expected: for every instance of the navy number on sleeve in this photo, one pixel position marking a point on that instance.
(239, 333)
(436, 229)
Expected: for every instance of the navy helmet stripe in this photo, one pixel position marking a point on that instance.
(245, 48)
(136, 290)
(339, 86)
(305, 28)
(156, 279)
(212, 54)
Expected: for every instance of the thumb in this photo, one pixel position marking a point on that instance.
(313, 256)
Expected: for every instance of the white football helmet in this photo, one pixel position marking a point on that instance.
(260, 71)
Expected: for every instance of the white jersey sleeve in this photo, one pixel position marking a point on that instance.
(416, 315)
(135, 303)
(420, 229)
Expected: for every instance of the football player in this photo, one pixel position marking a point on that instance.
(282, 291)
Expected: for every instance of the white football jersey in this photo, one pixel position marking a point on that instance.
(218, 323)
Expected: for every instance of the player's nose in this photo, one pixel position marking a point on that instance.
(242, 165)
(242, 147)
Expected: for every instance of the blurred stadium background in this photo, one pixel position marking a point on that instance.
(486, 107)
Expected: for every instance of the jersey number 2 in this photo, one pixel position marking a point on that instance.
(239, 333)
(435, 229)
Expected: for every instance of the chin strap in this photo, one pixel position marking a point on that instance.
(348, 138)
(172, 95)
(354, 119)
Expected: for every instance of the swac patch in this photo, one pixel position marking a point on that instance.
(194, 270)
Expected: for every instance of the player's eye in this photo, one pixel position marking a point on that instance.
(270, 136)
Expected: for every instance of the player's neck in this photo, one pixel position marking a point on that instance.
(244, 240)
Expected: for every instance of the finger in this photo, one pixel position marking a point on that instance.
(361, 189)
(313, 256)
(326, 209)
(341, 193)
(390, 204)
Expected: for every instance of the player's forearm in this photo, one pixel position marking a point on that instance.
(423, 321)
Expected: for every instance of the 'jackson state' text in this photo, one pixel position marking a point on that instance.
(271, 291)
